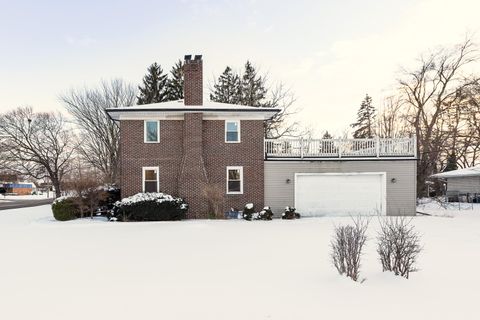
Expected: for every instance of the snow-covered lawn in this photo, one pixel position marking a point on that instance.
(51, 195)
(226, 270)
(444, 209)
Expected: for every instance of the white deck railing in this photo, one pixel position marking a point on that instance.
(340, 148)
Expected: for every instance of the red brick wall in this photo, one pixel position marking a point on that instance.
(193, 177)
(248, 153)
(193, 84)
(21, 191)
(185, 173)
(135, 154)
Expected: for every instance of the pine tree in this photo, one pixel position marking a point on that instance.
(246, 89)
(154, 86)
(327, 146)
(451, 162)
(227, 88)
(365, 125)
(327, 135)
(252, 87)
(175, 83)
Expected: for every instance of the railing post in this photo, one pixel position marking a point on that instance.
(301, 148)
(340, 146)
(414, 141)
(377, 141)
(264, 149)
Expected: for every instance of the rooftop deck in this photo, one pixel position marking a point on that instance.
(336, 149)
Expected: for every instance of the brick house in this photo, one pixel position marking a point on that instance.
(182, 147)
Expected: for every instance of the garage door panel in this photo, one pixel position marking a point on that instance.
(339, 194)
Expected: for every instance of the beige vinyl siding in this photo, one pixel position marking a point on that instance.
(464, 184)
(401, 195)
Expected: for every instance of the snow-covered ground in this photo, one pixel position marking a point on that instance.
(226, 270)
(51, 195)
(439, 208)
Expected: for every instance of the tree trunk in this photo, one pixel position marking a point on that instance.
(56, 185)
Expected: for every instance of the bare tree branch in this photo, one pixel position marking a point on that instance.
(100, 134)
(38, 145)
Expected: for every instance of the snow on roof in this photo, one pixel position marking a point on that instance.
(178, 108)
(466, 172)
(176, 104)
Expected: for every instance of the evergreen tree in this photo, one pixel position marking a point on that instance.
(451, 162)
(250, 89)
(365, 125)
(175, 83)
(253, 87)
(327, 135)
(327, 146)
(227, 88)
(154, 86)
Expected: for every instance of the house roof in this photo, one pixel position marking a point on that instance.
(466, 172)
(176, 109)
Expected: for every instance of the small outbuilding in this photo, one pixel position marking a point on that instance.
(462, 182)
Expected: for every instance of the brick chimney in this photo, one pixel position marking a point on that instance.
(193, 85)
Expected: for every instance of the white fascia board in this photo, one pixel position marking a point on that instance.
(179, 115)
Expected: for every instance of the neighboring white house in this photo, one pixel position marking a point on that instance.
(462, 181)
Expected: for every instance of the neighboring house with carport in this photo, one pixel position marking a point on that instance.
(181, 147)
(10, 184)
(462, 182)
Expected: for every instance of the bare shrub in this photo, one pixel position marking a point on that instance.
(347, 245)
(214, 196)
(87, 193)
(398, 246)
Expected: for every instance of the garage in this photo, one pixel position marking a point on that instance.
(321, 194)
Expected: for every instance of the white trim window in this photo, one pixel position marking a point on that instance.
(234, 180)
(151, 132)
(232, 131)
(150, 181)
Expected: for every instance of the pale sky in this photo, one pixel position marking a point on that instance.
(329, 52)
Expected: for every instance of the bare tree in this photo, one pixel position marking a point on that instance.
(213, 194)
(283, 124)
(391, 119)
(347, 245)
(398, 246)
(100, 136)
(429, 92)
(468, 144)
(38, 145)
(87, 194)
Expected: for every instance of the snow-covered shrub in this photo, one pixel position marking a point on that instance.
(112, 195)
(347, 245)
(265, 214)
(65, 208)
(398, 245)
(150, 207)
(290, 213)
(248, 212)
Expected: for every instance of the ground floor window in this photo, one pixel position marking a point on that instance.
(234, 180)
(150, 179)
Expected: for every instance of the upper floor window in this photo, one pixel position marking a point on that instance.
(152, 131)
(232, 131)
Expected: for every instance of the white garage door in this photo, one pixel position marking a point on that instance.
(320, 194)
